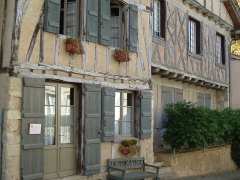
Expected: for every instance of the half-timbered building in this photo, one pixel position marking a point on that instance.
(77, 78)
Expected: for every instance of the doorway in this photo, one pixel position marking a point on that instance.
(60, 135)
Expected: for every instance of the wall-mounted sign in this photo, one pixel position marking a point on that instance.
(35, 129)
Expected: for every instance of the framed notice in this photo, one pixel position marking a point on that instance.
(35, 129)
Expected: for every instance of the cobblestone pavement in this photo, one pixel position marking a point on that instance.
(224, 176)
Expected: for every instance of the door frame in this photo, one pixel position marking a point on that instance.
(77, 120)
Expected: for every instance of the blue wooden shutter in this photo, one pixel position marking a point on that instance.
(92, 128)
(92, 21)
(52, 16)
(108, 113)
(146, 114)
(32, 145)
(105, 23)
(133, 28)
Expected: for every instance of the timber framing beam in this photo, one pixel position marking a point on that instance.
(202, 9)
(187, 78)
(234, 11)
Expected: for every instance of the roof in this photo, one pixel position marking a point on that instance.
(233, 8)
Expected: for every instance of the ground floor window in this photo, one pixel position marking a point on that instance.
(204, 100)
(124, 113)
(60, 127)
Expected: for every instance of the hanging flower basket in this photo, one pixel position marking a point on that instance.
(121, 55)
(73, 46)
(129, 147)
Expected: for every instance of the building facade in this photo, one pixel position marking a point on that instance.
(65, 112)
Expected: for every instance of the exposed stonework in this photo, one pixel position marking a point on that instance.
(11, 133)
(196, 163)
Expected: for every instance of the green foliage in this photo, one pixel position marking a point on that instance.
(190, 127)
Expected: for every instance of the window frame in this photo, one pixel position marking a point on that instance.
(161, 21)
(222, 60)
(123, 25)
(78, 18)
(204, 96)
(197, 51)
(121, 136)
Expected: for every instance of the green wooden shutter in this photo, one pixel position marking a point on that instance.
(1, 128)
(92, 128)
(108, 113)
(71, 19)
(92, 21)
(146, 114)
(52, 16)
(133, 28)
(105, 23)
(32, 145)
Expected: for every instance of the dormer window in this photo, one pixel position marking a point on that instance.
(194, 36)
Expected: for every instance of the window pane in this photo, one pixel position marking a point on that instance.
(50, 115)
(219, 49)
(66, 128)
(123, 113)
(67, 118)
(192, 36)
(71, 21)
(67, 96)
(117, 119)
(156, 18)
(117, 98)
(127, 121)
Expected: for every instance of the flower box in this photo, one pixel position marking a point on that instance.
(73, 46)
(121, 55)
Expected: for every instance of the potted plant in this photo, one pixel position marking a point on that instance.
(73, 46)
(129, 147)
(121, 55)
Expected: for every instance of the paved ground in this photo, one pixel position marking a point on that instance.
(224, 176)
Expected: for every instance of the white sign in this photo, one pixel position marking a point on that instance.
(35, 129)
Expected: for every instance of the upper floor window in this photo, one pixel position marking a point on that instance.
(159, 11)
(61, 17)
(194, 36)
(108, 22)
(220, 49)
(124, 113)
(204, 100)
(118, 24)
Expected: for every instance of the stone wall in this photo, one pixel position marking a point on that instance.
(11, 97)
(202, 162)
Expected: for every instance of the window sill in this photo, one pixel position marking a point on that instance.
(195, 56)
(159, 40)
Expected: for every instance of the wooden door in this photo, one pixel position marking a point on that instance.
(60, 157)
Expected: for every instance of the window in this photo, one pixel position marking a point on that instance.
(159, 10)
(194, 36)
(62, 17)
(117, 24)
(68, 17)
(204, 100)
(124, 110)
(171, 95)
(220, 49)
